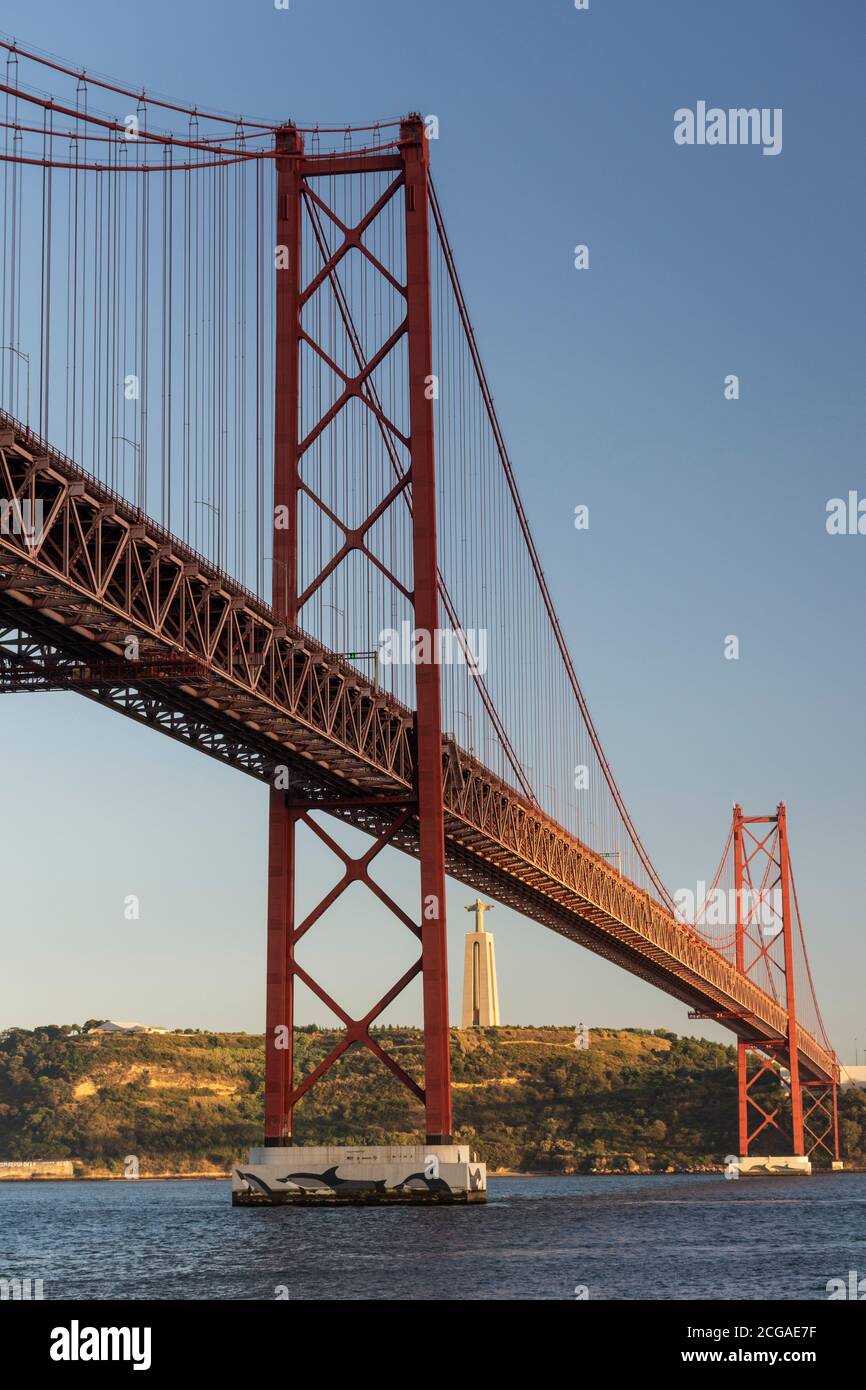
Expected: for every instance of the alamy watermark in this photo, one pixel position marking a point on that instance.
(77, 1343)
(21, 1290)
(718, 907)
(408, 646)
(852, 1288)
(740, 125)
(19, 518)
(846, 516)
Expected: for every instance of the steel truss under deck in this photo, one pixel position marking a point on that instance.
(103, 572)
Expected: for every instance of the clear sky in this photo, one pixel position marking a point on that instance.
(707, 515)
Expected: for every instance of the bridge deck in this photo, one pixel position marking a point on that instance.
(259, 696)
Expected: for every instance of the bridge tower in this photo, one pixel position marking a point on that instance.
(407, 166)
(766, 948)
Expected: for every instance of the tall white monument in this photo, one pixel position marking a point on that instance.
(480, 995)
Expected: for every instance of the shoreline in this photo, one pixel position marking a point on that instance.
(497, 1173)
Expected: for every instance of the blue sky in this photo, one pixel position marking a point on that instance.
(707, 516)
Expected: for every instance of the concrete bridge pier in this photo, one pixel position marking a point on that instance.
(776, 1166)
(369, 1175)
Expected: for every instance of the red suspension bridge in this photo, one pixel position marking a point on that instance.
(256, 496)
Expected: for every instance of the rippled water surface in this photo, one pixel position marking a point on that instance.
(540, 1238)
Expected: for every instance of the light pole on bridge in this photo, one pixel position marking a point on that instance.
(25, 358)
(200, 502)
(124, 439)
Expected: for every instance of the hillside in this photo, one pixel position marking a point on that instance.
(523, 1097)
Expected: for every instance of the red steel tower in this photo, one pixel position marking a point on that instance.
(408, 167)
(765, 948)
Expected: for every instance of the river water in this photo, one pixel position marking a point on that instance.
(667, 1237)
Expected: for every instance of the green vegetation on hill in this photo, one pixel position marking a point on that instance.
(523, 1098)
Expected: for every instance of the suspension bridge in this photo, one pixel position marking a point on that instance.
(246, 442)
